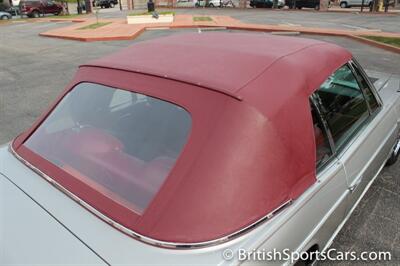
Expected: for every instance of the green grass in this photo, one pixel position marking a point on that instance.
(95, 26)
(202, 19)
(149, 13)
(388, 40)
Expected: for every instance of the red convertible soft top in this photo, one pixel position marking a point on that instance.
(225, 62)
(248, 152)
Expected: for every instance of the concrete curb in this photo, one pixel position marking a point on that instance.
(356, 37)
(384, 46)
(95, 39)
(67, 20)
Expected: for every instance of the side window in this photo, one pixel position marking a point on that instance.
(342, 105)
(370, 97)
(323, 149)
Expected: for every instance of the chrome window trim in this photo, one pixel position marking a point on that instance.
(140, 237)
(354, 63)
(321, 167)
(357, 78)
(316, 103)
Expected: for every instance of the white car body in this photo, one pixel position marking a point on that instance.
(354, 3)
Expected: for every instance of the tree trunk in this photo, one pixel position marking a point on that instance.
(78, 7)
(88, 5)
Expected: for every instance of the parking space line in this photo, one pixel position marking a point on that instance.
(18, 24)
(353, 27)
(18, 21)
(290, 25)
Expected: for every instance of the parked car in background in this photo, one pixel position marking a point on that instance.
(14, 10)
(105, 3)
(266, 3)
(9, 7)
(35, 8)
(185, 3)
(299, 4)
(355, 3)
(5, 15)
(210, 3)
(162, 164)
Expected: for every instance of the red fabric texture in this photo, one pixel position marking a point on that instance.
(243, 158)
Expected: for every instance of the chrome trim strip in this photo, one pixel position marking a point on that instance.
(316, 101)
(354, 62)
(396, 147)
(140, 237)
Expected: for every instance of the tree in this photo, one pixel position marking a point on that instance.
(4, 5)
(89, 3)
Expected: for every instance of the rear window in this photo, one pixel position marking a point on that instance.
(122, 144)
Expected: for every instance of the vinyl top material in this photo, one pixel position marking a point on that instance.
(226, 62)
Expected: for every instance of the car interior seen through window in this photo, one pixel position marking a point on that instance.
(121, 143)
(342, 105)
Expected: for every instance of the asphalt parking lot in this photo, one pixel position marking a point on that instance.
(33, 71)
(307, 18)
